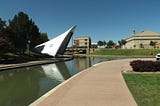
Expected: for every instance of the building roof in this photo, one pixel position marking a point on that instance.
(147, 33)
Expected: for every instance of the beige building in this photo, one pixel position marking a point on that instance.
(83, 41)
(142, 40)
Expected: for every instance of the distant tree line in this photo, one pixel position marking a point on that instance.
(111, 43)
(19, 31)
(122, 42)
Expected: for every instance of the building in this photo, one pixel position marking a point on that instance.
(143, 40)
(82, 42)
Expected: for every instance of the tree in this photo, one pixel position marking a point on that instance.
(141, 45)
(43, 37)
(100, 43)
(2, 27)
(18, 33)
(22, 29)
(5, 45)
(110, 44)
(153, 44)
(134, 46)
(122, 42)
(104, 43)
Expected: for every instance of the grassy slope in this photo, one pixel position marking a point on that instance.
(145, 88)
(127, 52)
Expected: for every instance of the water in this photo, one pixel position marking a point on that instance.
(22, 86)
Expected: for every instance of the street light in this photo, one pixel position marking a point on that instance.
(28, 46)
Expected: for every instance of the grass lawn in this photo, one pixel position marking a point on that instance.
(145, 88)
(127, 52)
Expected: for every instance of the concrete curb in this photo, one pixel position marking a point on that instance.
(32, 63)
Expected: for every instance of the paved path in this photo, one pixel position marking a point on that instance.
(100, 85)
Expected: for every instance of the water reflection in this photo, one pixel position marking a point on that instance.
(82, 63)
(58, 71)
(20, 87)
(55, 74)
(24, 85)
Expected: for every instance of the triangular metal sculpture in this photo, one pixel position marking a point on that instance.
(57, 45)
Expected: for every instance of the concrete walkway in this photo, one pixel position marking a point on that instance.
(100, 85)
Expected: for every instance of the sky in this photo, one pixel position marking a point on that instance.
(99, 19)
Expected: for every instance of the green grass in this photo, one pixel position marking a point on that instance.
(145, 88)
(127, 52)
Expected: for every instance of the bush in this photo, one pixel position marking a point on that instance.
(145, 66)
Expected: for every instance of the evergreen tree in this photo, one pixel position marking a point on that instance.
(110, 44)
(5, 44)
(100, 43)
(22, 29)
(43, 37)
(2, 27)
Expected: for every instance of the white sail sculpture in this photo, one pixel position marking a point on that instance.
(57, 45)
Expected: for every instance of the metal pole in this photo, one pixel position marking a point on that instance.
(29, 46)
(72, 45)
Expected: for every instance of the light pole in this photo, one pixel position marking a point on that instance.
(28, 46)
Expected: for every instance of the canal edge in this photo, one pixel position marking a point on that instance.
(32, 63)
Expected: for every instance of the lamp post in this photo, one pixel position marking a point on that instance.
(28, 46)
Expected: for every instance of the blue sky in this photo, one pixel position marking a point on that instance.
(99, 19)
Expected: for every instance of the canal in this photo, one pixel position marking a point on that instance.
(22, 86)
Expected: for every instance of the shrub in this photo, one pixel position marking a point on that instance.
(145, 66)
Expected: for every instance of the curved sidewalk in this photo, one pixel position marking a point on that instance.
(100, 85)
